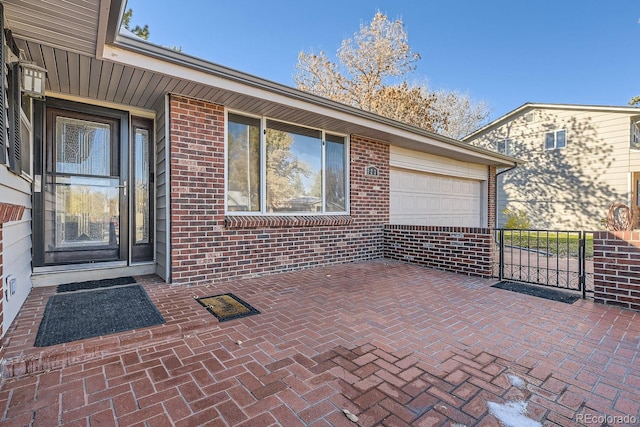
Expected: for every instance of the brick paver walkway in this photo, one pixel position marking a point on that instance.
(392, 343)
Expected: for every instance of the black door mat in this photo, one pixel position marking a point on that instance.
(95, 284)
(539, 291)
(76, 316)
(227, 307)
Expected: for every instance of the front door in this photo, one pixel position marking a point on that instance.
(84, 186)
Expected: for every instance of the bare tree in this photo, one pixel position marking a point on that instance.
(375, 54)
(460, 115)
(372, 75)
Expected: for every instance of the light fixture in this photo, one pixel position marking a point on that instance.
(32, 79)
(32, 76)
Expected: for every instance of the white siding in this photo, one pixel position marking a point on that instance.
(571, 187)
(415, 160)
(162, 268)
(16, 244)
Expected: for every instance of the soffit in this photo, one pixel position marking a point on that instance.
(71, 25)
(84, 76)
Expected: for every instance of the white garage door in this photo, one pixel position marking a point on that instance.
(419, 198)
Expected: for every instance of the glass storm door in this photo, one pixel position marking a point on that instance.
(84, 189)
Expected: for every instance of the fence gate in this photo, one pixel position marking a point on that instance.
(562, 259)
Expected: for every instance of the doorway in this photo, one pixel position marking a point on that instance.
(94, 163)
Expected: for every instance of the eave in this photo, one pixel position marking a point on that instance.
(125, 71)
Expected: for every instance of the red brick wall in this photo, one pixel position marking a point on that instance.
(207, 246)
(616, 265)
(457, 249)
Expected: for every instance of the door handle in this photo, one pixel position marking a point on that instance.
(123, 186)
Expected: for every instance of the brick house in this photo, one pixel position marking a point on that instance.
(143, 160)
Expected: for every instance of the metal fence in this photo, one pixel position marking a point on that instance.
(562, 259)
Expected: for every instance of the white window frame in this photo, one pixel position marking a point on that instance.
(635, 135)
(507, 143)
(263, 168)
(555, 139)
(27, 141)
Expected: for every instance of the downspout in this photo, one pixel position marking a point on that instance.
(495, 189)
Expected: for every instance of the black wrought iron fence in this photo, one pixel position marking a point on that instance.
(562, 259)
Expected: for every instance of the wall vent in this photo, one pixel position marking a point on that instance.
(530, 117)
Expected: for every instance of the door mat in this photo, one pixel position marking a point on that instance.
(227, 307)
(95, 284)
(76, 316)
(539, 291)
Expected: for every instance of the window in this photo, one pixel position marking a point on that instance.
(275, 167)
(243, 164)
(635, 135)
(555, 139)
(505, 146)
(142, 189)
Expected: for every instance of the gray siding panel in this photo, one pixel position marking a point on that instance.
(162, 269)
(94, 77)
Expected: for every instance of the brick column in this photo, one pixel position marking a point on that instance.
(616, 265)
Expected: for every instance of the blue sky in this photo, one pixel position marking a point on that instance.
(503, 52)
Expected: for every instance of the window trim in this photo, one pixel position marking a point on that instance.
(263, 165)
(27, 142)
(635, 136)
(555, 139)
(508, 146)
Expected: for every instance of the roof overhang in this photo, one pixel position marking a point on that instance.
(129, 71)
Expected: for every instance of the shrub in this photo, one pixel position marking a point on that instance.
(516, 219)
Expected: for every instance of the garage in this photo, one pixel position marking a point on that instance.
(428, 190)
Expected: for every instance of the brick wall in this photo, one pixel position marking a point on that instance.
(457, 249)
(616, 265)
(206, 245)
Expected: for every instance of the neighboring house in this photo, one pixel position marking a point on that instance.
(144, 160)
(576, 160)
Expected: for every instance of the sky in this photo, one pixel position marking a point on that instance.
(504, 53)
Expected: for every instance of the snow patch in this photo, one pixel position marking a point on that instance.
(512, 414)
(517, 381)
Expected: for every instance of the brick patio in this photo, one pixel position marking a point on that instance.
(393, 343)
